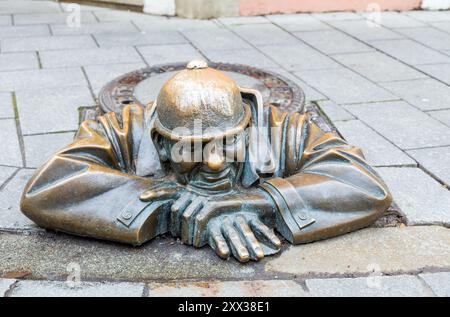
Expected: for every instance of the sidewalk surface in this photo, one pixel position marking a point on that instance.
(385, 86)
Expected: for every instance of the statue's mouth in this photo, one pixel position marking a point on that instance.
(214, 180)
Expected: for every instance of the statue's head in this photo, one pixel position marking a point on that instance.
(200, 127)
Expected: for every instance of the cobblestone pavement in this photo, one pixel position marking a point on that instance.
(386, 88)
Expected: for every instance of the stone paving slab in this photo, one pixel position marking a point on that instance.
(6, 106)
(378, 67)
(287, 56)
(438, 71)
(262, 288)
(334, 112)
(337, 16)
(138, 39)
(377, 150)
(444, 26)
(216, 39)
(249, 57)
(442, 115)
(100, 75)
(429, 16)
(429, 36)
(411, 52)
(375, 286)
(14, 6)
(161, 54)
(5, 173)
(244, 20)
(344, 86)
(23, 31)
(47, 256)
(402, 124)
(298, 22)
(393, 20)
(333, 42)
(425, 94)
(10, 148)
(41, 79)
(365, 30)
(436, 161)
(264, 34)
(18, 61)
(5, 284)
(421, 198)
(439, 282)
(61, 289)
(38, 148)
(405, 249)
(52, 110)
(107, 15)
(10, 216)
(94, 28)
(174, 24)
(43, 43)
(85, 57)
(51, 18)
(5, 20)
(311, 94)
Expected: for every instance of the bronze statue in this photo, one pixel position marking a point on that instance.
(209, 164)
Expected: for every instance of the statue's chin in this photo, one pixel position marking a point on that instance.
(219, 181)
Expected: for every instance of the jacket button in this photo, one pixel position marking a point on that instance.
(127, 215)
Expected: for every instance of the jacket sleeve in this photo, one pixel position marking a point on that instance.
(326, 187)
(90, 188)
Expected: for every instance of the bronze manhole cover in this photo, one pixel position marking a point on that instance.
(143, 85)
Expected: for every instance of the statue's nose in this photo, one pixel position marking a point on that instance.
(214, 160)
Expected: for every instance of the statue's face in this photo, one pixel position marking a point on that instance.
(214, 165)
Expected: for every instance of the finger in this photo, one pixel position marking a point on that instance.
(218, 243)
(265, 234)
(238, 249)
(158, 194)
(186, 229)
(253, 246)
(177, 207)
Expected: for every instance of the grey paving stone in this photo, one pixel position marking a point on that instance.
(416, 193)
(335, 112)
(288, 56)
(333, 42)
(249, 57)
(244, 20)
(441, 115)
(161, 54)
(51, 18)
(389, 250)
(9, 148)
(377, 150)
(337, 16)
(444, 26)
(66, 7)
(43, 43)
(14, 6)
(264, 34)
(174, 24)
(5, 285)
(41, 78)
(92, 56)
(365, 31)
(100, 75)
(18, 61)
(425, 94)
(429, 36)
(378, 67)
(411, 52)
(372, 286)
(94, 28)
(261, 288)
(140, 38)
(39, 148)
(298, 22)
(121, 15)
(435, 160)
(402, 124)
(10, 215)
(23, 31)
(429, 16)
(439, 71)
(51, 110)
(439, 282)
(393, 20)
(5, 173)
(62, 289)
(344, 86)
(216, 39)
(6, 106)
(5, 20)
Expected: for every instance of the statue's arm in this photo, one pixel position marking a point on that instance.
(88, 188)
(328, 188)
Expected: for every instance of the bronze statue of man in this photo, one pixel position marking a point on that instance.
(210, 164)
